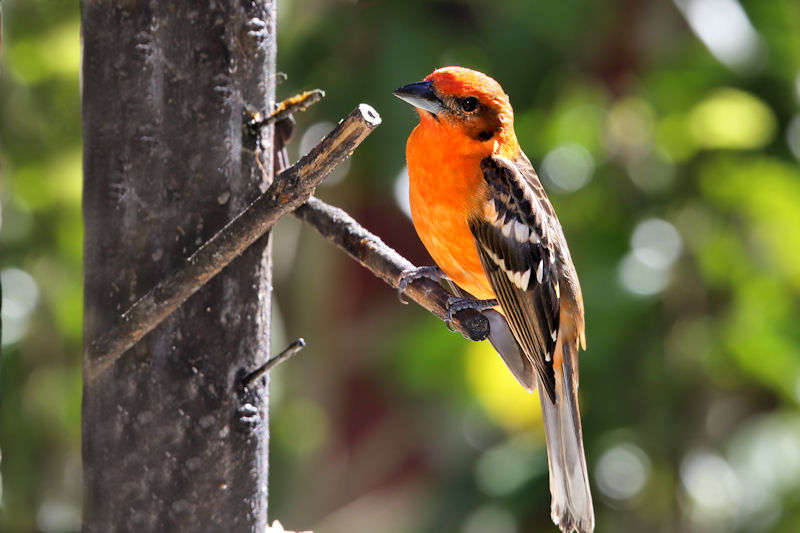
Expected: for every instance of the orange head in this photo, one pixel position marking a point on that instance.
(466, 101)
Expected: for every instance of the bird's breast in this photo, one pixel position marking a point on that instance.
(446, 188)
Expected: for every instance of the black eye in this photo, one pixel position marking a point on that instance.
(469, 104)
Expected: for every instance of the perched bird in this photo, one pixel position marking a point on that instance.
(486, 221)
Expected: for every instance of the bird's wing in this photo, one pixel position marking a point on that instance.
(514, 244)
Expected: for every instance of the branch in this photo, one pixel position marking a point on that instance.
(259, 372)
(297, 103)
(291, 188)
(369, 250)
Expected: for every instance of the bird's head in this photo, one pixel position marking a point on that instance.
(466, 100)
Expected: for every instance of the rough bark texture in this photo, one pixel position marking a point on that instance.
(171, 442)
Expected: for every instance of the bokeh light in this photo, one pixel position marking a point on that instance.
(401, 187)
(732, 119)
(646, 270)
(630, 126)
(656, 243)
(725, 29)
(622, 471)
(793, 135)
(715, 491)
(506, 467)
(498, 392)
(489, 518)
(20, 296)
(567, 168)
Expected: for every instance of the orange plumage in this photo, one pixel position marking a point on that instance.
(484, 217)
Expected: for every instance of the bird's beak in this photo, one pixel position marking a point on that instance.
(420, 94)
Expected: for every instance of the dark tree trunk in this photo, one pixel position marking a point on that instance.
(170, 440)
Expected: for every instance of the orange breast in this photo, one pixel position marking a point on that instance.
(446, 186)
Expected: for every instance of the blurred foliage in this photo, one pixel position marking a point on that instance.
(669, 141)
(40, 261)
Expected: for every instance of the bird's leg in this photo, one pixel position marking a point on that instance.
(407, 277)
(456, 304)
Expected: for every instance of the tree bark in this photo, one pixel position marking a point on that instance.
(171, 441)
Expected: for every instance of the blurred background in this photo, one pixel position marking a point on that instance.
(667, 135)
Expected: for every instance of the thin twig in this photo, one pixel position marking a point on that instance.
(291, 188)
(293, 104)
(290, 351)
(369, 250)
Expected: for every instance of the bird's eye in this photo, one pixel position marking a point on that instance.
(469, 104)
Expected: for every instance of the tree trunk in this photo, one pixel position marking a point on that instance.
(171, 442)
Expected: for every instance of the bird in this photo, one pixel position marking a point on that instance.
(483, 215)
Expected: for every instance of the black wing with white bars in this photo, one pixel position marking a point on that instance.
(516, 251)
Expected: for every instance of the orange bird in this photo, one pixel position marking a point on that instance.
(484, 217)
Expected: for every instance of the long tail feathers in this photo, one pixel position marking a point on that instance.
(571, 507)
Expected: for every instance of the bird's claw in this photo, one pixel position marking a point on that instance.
(407, 277)
(456, 304)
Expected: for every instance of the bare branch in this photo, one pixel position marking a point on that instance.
(291, 188)
(293, 104)
(290, 351)
(369, 250)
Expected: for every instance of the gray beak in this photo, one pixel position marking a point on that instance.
(420, 94)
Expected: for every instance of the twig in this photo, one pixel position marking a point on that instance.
(290, 189)
(369, 250)
(290, 351)
(293, 104)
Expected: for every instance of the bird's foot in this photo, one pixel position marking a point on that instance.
(407, 277)
(456, 304)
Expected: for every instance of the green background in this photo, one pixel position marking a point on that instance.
(668, 137)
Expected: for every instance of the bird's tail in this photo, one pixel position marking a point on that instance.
(571, 507)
